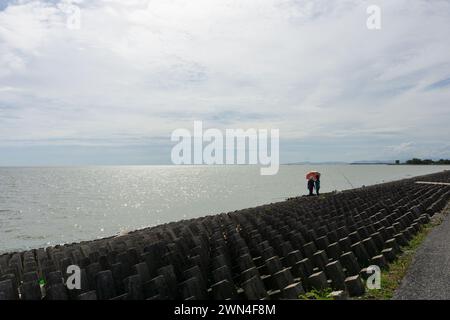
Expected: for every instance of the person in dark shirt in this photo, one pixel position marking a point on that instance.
(317, 184)
(311, 186)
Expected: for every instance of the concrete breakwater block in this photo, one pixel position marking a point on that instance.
(30, 291)
(104, 284)
(224, 290)
(333, 251)
(392, 243)
(355, 286)
(361, 254)
(90, 295)
(317, 281)
(302, 269)
(254, 289)
(349, 262)
(339, 295)
(134, 288)
(335, 273)
(389, 254)
(379, 261)
(274, 251)
(292, 291)
(192, 288)
(320, 259)
(8, 290)
(57, 292)
(282, 279)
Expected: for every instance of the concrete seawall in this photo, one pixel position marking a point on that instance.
(275, 251)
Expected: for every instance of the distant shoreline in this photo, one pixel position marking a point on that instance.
(399, 164)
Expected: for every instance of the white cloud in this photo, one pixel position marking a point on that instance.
(139, 69)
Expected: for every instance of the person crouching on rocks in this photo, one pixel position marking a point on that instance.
(317, 184)
(311, 186)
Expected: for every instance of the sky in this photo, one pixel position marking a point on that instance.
(112, 88)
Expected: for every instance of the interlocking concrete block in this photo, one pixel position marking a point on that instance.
(339, 295)
(8, 289)
(334, 251)
(54, 277)
(322, 242)
(408, 233)
(380, 261)
(370, 247)
(247, 274)
(317, 281)
(390, 231)
(158, 287)
(30, 291)
(363, 233)
(378, 240)
(223, 273)
(342, 232)
(57, 292)
(416, 226)
(302, 270)
(31, 276)
(361, 254)
(292, 291)
(104, 284)
(354, 237)
(223, 290)
(424, 218)
(170, 277)
(392, 243)
(192, 288)
(349, 262)
(320, 259)
(90, 295)
(282, 279)
(245, 262)
(335, 273)
(293, 257)
(389, 254)
(254, 289)
(401, 239)
(355, 286)
(273, 265)
(141, 269)
(195, 272)
(309, 249)
(345, 244)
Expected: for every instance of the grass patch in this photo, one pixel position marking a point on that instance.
(390, 279)
(317, 295)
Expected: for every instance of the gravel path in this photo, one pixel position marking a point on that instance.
(428, 276)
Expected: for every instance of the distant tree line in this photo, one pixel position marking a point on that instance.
(427, 161)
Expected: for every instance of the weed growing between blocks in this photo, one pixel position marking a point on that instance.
(317, 295)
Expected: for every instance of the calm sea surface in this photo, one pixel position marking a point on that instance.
(47, 206)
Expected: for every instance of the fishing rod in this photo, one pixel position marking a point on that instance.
(347, 179)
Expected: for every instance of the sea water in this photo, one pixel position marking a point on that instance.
(45, 206)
